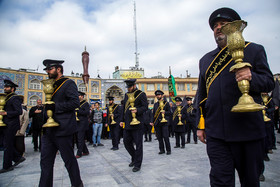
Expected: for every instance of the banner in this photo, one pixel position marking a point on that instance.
(171, 87)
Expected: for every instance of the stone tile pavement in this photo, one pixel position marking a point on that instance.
(103, 167)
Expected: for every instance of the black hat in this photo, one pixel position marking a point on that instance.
(81, 93)
(178, 99)
(188, 98)
(130, 82)
(49, 63)
(111, 98)
(8, 83)
(226, 13)
(159, 92)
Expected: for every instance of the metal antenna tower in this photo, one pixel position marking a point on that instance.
(136, 47)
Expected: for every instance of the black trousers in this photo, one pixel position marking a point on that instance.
(10, 152)
(35, 135)
(82, 148)
(115, 135)
(148, 132)
(50, 145)
(246, 157)
(191, 127)
(89, 134)
(131, 137)
(163, 137)
(178, 136)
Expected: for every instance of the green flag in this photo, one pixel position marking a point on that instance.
(171, 87)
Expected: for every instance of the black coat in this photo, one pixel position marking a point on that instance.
(37, 118)
(117, 115)
(66, 101)
(141, 105)
(83, 114)
(156, 120)
(224, 93)
(175, 120)
(14, 110)
(191, 114)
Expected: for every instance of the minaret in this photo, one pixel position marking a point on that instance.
(136, 46)
(85, 61)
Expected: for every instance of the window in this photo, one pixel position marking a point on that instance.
(158, 86)
(151, 101)
(82, 88)
(142, 87)
(94, 88)
(194, 87)
(33, 100)
(35, 84)
(150, 87)
(164, 87)
(181, 86)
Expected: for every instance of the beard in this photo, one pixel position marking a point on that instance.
(53, 75)
(7, 91)
(221, 40)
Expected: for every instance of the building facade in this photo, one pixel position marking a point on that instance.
(97, 90)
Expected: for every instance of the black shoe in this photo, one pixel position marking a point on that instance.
(100, 144)
(262, 178)
(270, 151)
(177, 146)
(187, 142)
(7, 170)
(183, 147)
(274, 148)
(161, 152)
(266, 158)
(145, 140)
(131, 164)
(115, 148)
(35, 150)
(94, 145)
(195, 142)
(135, 169)
(22, 159)
(168, 153)
(90, 143)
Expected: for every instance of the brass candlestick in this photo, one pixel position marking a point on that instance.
(131, 100)
(76, 112)
(236, 43)
(179, 108)
(2, 105)
(48, 90)
(112, 117)
(161, 105)
(265, 101)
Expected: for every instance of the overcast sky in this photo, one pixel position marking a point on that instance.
(172, 33)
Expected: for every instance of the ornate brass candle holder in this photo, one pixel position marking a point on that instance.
(236, 43)
(161, 105)
(76, 113)
(48, 90)
(265, 101)
(131, 100)
(2, 104)
(112, 117)
(179, 108)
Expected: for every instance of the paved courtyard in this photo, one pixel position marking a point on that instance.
(104, 167)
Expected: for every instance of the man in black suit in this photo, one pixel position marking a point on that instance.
(115, 126)
(66, 99)
(82, 120)
(12, 111)
(36, 113)
(234, 139)
(133, 132)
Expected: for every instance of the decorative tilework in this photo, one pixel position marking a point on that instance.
(39, 94)
(3, 76)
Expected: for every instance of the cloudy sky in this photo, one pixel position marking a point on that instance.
(170, 33)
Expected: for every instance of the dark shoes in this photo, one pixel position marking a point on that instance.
(262, 178)
(161, 152)
(168, 153)
(100, 144)
(145, 140)
(78, 156)
(7, 170)
(177, 146)
(85, 154)
(135, 169)
(115, 148)
(183, 147)
(131, 164)
(266, 158)
(94, 145)
(187, 142)
(22, 159)
(195, 142)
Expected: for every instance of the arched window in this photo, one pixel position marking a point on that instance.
(35, 84)
(82, 88)
(33, 100)
(94, 88)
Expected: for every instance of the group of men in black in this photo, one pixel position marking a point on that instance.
(234, 140)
